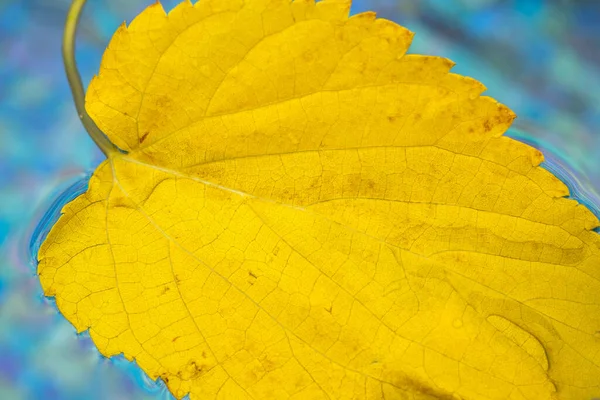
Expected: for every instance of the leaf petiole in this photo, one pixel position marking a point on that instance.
(68, 52)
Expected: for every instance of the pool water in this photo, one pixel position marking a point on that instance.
(46, 158)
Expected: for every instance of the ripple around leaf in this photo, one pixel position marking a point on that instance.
(555, 162)
(53, 213)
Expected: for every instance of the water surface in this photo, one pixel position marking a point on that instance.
(545, 77)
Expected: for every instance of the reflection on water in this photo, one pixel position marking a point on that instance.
(545, 77)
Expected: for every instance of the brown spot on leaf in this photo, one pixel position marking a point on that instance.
(487, 125)
(144, 136)
(163, 101)
(267, 363)
(413, 385)
(196, 369)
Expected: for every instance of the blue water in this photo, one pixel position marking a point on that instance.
(546, 77)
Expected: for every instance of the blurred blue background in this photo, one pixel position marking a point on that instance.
(541, 58)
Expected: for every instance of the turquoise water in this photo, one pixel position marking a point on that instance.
(546, 77)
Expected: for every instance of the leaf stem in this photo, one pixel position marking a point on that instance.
(68, 52)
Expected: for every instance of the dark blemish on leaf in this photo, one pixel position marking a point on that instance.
(392, 118)
(267, 363)
(315, 183)
(354, 181)
(329, 309)
(459, 257)
(175, 338)
(144, 136)
(252, 274)
(163, 101)
(411, 385)
(196, 368)
(487, 125)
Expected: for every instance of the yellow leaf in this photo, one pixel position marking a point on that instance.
(306, 212)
